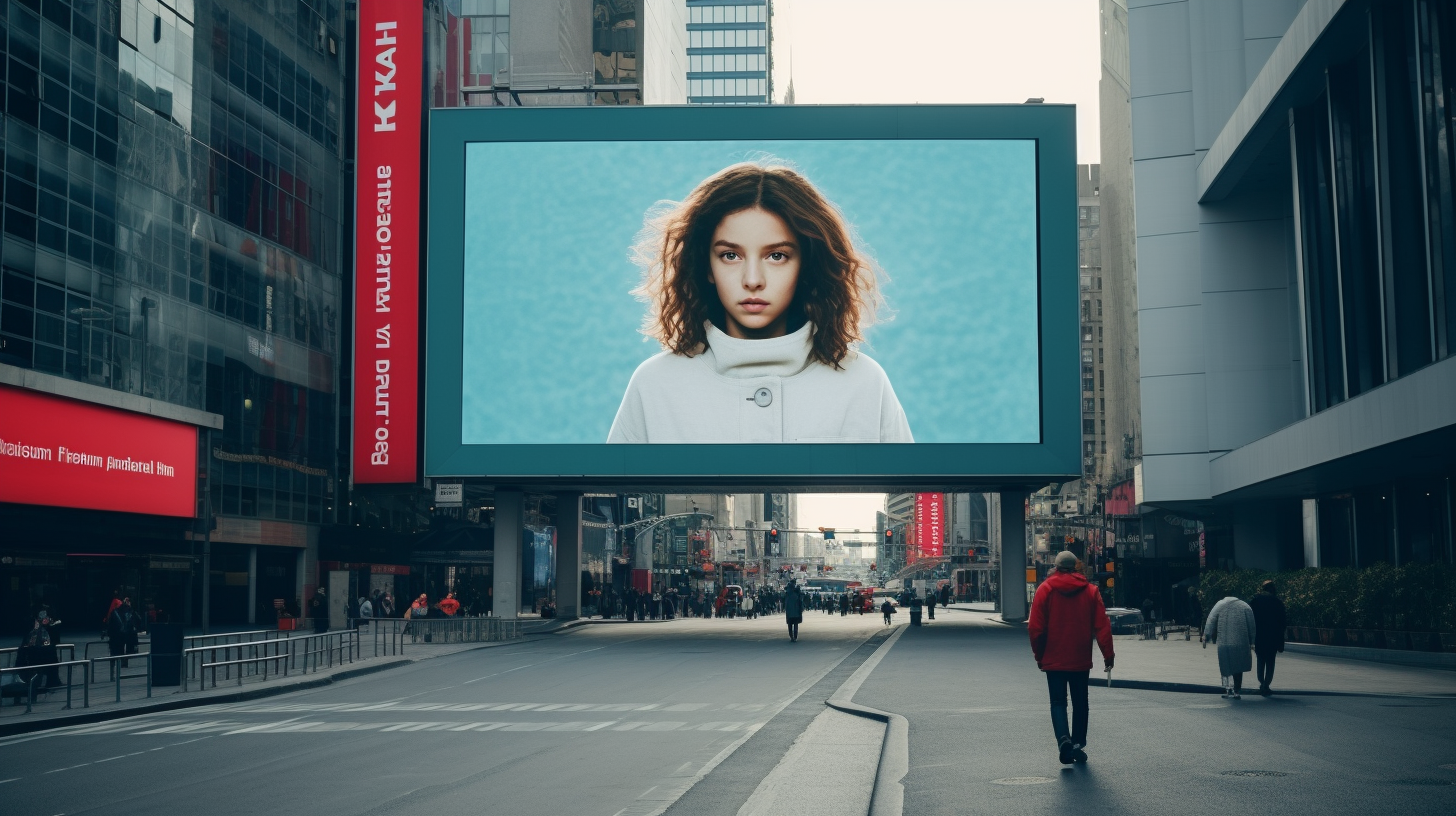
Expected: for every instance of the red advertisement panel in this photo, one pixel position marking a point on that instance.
(65, 453)
(387, 226)
(930, 524)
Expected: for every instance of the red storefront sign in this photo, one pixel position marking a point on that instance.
(930, 524)
(64, 453)
(387, 227)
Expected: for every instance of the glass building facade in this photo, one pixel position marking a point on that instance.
(173, 196)
(728, 52)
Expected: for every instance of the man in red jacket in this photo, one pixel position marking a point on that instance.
(1066, 617)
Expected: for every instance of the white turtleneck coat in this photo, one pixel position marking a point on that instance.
(755, 391)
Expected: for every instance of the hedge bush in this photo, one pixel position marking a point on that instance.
(1411, 598)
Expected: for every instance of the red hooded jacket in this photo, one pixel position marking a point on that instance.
(1066, 616)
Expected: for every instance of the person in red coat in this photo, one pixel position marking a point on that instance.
(1067, 615)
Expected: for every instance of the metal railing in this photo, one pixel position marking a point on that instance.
(117, 670)
(69, 666)
(7, 655)
(285, 655)
(391, 634)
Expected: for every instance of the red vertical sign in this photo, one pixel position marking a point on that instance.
(387, 227)
(930, 524)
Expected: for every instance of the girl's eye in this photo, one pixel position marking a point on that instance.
(729, 256)
(777, 256)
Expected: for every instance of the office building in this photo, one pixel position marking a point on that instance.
(1296, 277)
(729, 52)
(173, 249)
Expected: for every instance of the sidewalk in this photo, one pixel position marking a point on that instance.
(50, 712)
(1183, 665)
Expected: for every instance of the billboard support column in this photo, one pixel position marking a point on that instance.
(506, 574)
(568, 556)
(1013, 556)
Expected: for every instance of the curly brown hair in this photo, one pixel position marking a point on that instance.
(837, 290)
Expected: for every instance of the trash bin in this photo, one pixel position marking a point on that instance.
(914, 616)
(166, 654)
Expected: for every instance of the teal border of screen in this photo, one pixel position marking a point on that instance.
(1056, 457)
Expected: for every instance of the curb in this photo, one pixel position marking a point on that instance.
(1201, 688)
(888, 797)
(12, 729)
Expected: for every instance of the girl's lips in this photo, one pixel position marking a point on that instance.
(753, 306)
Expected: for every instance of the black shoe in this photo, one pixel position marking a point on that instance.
(1078, 755)
(1064, 750)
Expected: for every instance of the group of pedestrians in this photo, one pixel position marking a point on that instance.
(1235, 626)
(1068, 617)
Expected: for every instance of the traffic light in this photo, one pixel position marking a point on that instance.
(773, 535)
(889, 536)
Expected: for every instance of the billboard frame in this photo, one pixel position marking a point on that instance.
(1056, 457)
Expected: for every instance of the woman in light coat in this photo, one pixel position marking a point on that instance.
(1231, 626)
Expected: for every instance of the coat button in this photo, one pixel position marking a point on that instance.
(763, 398)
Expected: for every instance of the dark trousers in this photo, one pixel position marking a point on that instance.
(1264, 664)
(1058, 684)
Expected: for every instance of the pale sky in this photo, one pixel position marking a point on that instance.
(842, 511)
(943, 51)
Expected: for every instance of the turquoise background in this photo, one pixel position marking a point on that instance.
(551, 332)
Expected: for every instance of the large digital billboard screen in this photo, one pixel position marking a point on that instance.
(614, 290)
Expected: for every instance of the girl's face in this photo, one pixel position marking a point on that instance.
(755, 267)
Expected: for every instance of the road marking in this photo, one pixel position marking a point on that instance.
(3, 781)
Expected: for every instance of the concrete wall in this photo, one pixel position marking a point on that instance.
(1218, 367)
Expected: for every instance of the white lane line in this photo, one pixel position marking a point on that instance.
(3, 781)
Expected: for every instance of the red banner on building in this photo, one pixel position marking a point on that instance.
(930, 524)
(387, 227)
(65, 453)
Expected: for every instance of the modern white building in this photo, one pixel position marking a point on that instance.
(1296, 275)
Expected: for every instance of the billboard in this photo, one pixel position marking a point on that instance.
(64, 453)
(929, 525)
(387, 235)
(882, 292)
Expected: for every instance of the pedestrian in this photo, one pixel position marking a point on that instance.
(748, 606)
(1067, 617)
(887, 609)
(793, 610)
(1231, 626)
(631, 605)
(110, 608)
(930, 604)
(1268, 634)
(387, 608)
(366, 609)
(450, 606)
(125, 622)
(1147, 609)
(319, 611)
(420, 609)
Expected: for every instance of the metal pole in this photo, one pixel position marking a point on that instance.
(207, 545)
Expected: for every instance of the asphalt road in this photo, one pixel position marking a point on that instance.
(627, 720)
(613, 720)
(981, 740)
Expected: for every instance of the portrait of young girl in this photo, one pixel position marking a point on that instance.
(760, 299)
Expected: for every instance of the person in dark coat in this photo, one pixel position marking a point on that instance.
(794, 610)
(1268, 633)
(887, 609)
(1067, 618)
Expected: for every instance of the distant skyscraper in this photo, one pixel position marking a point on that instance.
(728, 52)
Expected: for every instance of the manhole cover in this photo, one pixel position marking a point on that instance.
(1022, 780)
(1254, 773)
